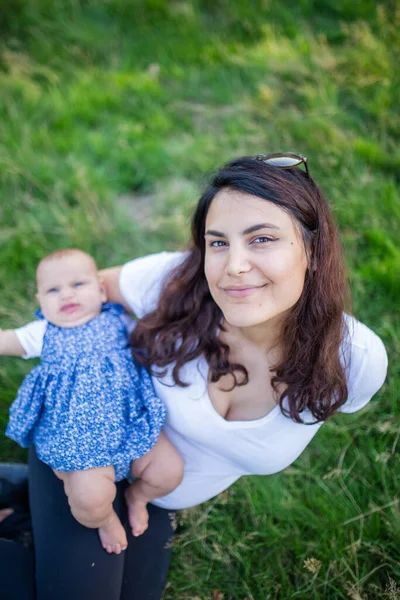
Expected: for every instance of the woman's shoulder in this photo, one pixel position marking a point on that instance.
(362, 342)
(365, 359)
(141, 279)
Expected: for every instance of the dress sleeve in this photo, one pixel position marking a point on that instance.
(141, 280)
(367, 365)
(31, 337)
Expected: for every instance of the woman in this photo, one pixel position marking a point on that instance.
(250, 350)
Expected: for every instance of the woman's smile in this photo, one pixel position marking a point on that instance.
(242, 291)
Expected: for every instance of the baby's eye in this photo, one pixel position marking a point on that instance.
(78, 283)
(53, 290)
(217, 244)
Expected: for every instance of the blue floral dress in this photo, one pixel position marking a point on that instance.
(87, 404)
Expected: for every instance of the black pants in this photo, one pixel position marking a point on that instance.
(70, 561)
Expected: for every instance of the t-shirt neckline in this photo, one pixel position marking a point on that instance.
(203, 369)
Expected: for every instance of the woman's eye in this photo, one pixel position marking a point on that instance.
(217, 244)
(262, 239)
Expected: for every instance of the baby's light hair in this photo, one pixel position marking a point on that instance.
(62, 253)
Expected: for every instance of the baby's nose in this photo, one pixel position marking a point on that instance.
(67, 293)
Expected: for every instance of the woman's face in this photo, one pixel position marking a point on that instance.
(255, 261)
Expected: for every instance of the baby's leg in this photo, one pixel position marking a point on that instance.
(158, 472)
(90, 495)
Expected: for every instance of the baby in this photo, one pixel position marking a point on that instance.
(90, 411)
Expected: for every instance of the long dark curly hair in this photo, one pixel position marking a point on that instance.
(186, 321)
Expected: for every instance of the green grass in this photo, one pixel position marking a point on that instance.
(139, 100)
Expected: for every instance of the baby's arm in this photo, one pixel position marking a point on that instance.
(24, 341)
(10, 344)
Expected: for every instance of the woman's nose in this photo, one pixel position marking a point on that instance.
(237, 262)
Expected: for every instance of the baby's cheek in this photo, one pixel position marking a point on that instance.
(94, 302)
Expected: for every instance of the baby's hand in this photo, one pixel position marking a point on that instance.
(10, 344)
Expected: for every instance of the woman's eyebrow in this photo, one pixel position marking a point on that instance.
(254, 228)
(251, 229)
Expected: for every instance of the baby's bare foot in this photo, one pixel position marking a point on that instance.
(113, 536)
(137, 513)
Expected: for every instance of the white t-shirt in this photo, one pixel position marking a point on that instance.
(217, 452)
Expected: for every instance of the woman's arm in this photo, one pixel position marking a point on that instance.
(138, 283)
(366, 366)
(110, 279)
(10, 344)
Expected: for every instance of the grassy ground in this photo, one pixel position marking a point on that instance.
(112, 112)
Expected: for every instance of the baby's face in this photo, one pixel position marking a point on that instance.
(69, 290)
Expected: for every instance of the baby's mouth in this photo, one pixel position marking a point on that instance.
(69, 308)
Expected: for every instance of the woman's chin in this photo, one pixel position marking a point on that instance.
(243, 320)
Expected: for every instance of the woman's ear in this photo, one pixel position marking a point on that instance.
(313, 265)
(311, 262)
(310, 253)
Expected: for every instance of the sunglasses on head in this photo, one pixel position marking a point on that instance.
(284, 160)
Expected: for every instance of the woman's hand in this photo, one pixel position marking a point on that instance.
(110, 279)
